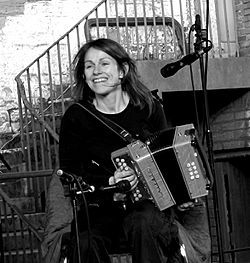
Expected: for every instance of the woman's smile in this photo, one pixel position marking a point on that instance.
(102, 72)
(98, 80)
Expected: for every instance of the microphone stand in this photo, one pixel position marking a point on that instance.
(73, 194)
(71, 179)
(208, 133)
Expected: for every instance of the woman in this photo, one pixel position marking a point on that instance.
(107, 82)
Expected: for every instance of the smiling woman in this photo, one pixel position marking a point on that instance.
(107, 85)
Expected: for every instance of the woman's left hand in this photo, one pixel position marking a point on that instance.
(185, 206)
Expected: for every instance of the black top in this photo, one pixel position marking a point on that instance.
(86, 144)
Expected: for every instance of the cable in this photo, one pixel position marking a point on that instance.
(192, 82)
(88, 221)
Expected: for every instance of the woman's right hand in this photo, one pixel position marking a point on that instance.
(128, 174)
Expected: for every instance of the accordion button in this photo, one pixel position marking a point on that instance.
(192, 177)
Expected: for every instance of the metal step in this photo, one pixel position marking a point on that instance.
(22, 256)
(19, 240)
(19, 244)
(121, 258)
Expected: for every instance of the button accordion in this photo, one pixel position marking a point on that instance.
(168, 166)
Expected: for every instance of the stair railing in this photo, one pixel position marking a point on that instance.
(21, 236)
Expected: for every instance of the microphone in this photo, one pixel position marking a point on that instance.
(66, 177)
(197, 23)
(171, 68)
(200, 33)
(70, 178)
(120, 187)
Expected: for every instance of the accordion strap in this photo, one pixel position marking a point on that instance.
(114, 127)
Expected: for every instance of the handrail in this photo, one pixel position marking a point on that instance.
(19, 175)
(27, 174)
(31, 109)
(59, 39)
(19, 213)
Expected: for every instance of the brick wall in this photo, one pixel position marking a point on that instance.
(231, 125)
(243, 25)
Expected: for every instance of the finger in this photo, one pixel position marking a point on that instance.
(119, 175)
(185, 206)
(134, 182)
(125, 175)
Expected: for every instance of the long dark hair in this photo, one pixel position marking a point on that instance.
(139, 94)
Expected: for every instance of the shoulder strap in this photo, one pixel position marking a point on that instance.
(114, 127)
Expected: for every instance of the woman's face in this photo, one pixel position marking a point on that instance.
(102, 72)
